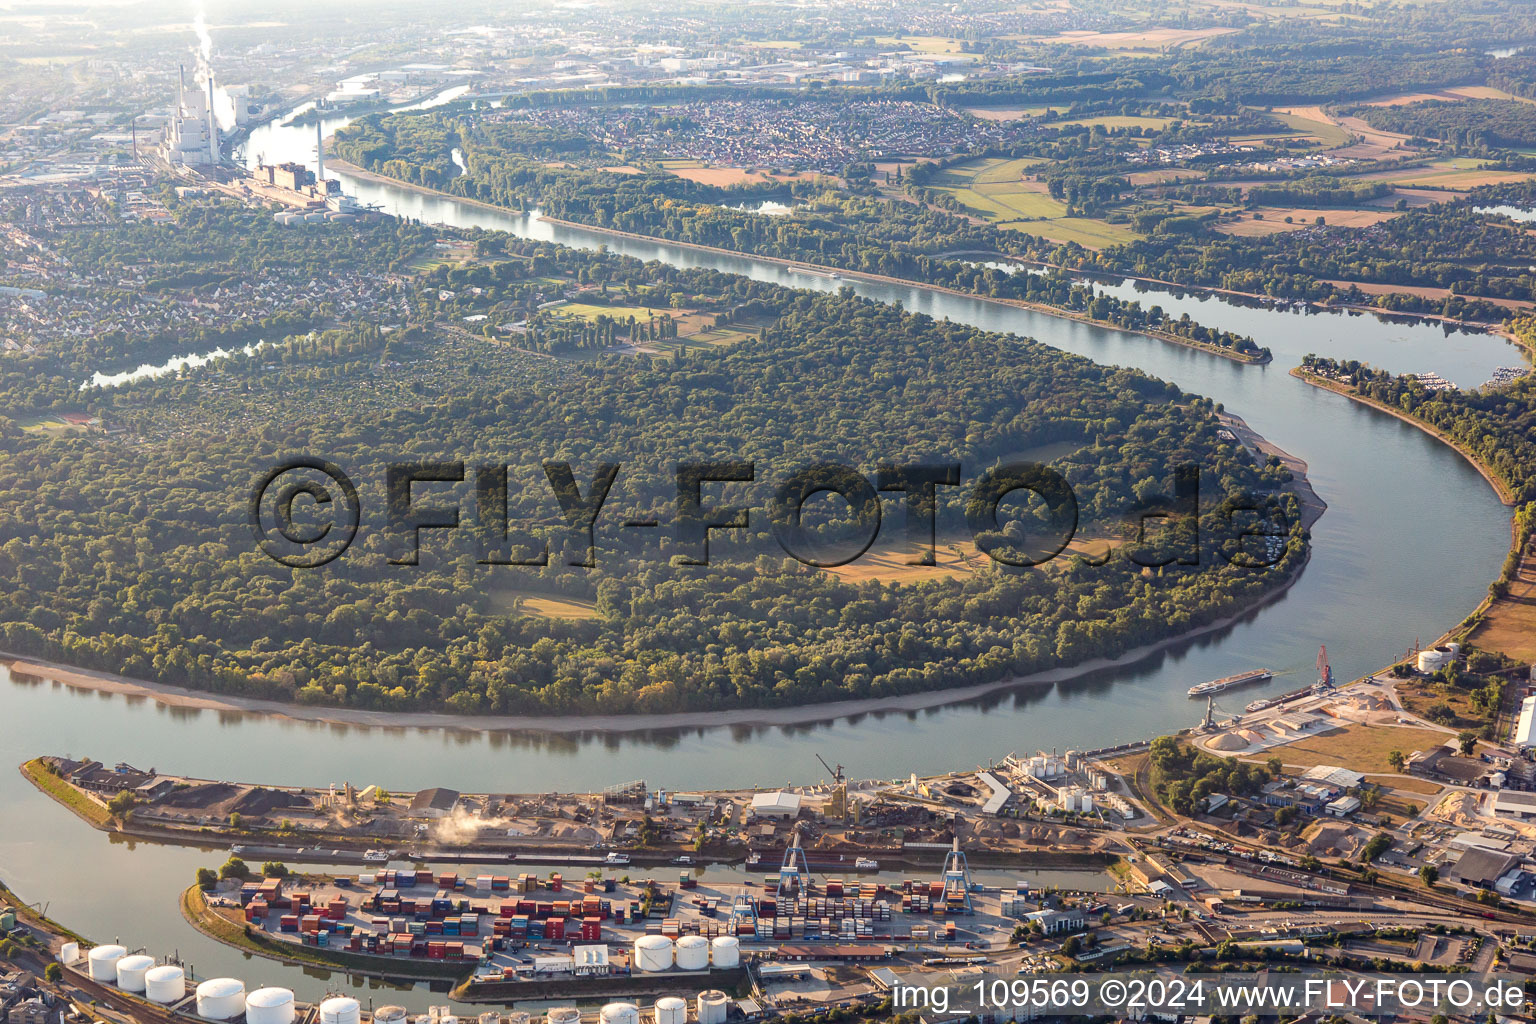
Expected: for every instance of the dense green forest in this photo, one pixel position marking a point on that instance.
(181, 596)
(1469, 123)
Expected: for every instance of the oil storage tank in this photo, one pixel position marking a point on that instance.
(270, 1006)
(131, 971)
(619, 1013)
(712, 1006)
(221, 998)
(725, 951)
(389, 1015)
(693, 953)
(103, 962)
(671, 1010)
(562, 1015)
(341, 1010)
(653, 953)
(165, 984)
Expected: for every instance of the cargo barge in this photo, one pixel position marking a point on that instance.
(1260, 675)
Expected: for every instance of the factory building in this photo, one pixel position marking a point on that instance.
(1525, 727)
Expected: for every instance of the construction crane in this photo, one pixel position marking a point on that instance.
(1324, 670)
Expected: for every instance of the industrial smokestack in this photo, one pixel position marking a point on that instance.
(213, 125)
(319, 155)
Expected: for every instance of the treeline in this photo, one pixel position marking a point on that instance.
(1468, 123)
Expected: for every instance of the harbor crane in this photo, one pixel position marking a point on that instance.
(1324, 670)
(837, 773)
(838, 806)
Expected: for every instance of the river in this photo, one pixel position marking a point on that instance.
(1410, 541)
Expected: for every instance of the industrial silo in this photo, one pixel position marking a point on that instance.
(221, 998)
(131, 971)
(389, 1015)
(619, 1013)
(103, 962)
(693, 953)
(517, 1017)
(653, 953)
(341, 1010)
(165, 984)
(671, 1010)
(725, 951)
(712, 1006)
(562, 1015)
(270, 1006)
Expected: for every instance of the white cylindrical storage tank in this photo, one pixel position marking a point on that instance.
(131, 971)
(103, 962)
(517, 1017)
(270, 1006)
(69, 952)
(389, 1015)
(671, 1010)
(1433, 660)
(221, 998)
(619, 1013)
(693, 953)
(712, 1006)
(341, 1010)
(725, 951)
(653, 953)
(562, 1015)
(165, 984)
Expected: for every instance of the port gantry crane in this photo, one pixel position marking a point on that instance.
(795, 872)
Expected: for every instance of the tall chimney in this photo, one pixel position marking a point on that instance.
(213, 125)
(319, 156)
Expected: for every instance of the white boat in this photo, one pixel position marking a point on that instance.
(1259, 675)
(616, 858)
(865, 864)
(377, 856)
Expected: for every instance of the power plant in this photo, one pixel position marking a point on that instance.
(192, 136)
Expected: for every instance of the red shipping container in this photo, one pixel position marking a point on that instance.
(448, 881)
(424, 876)
(556, 882)
(455, 950)
(437, 950)
(554, 929)
(336, 910)
(434, 927)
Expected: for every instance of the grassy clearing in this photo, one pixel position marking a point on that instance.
(557, 608)
(1005, 113)
(1509, 624)
(936, 45)
(1273, 219)
(1407, 785)
(1362, 748)
(1445, 175)
(91, 810)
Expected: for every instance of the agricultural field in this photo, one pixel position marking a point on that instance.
(724, 177)
(1086, 231)
(1005, 113)
(1152, 39)
(935, 45)
(1271, 219)
(1455, 174)
(1122, 121)
(1314, 124)
(994, 189)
